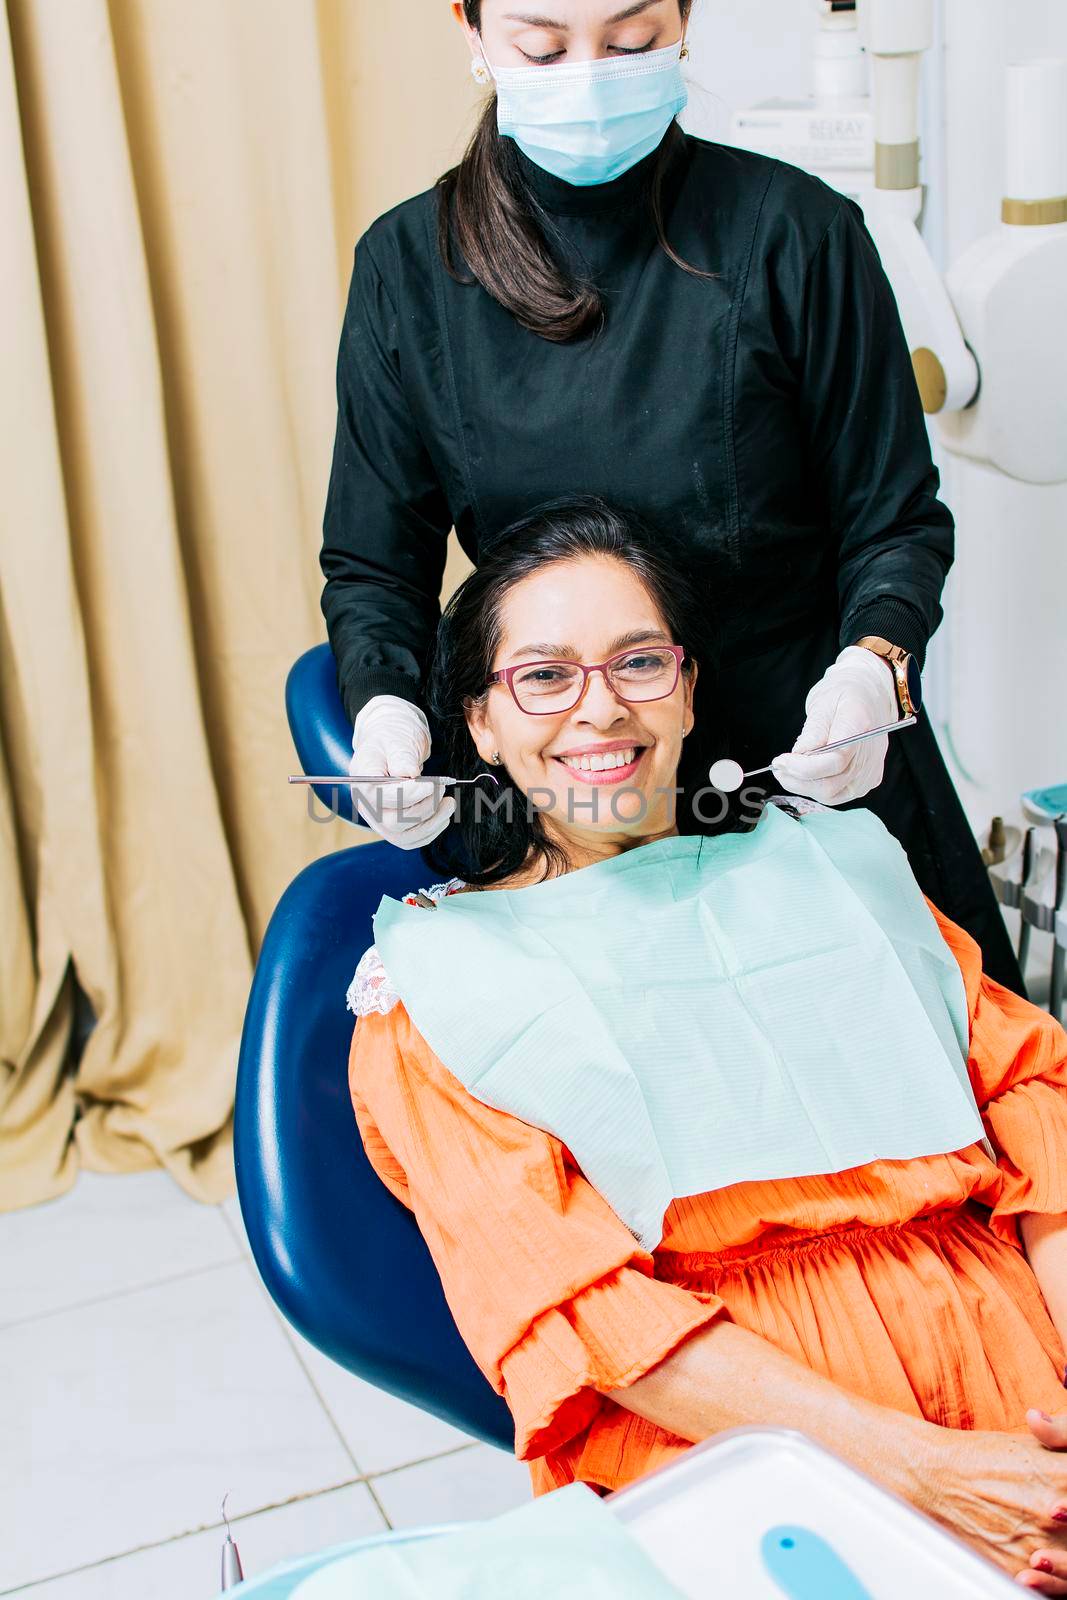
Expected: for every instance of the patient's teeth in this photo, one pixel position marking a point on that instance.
(601, 763)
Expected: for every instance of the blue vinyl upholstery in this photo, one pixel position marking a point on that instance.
(343, 1260)
(319, 724)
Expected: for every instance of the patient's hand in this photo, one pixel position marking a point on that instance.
(1052, 1434)
(1001, 1493)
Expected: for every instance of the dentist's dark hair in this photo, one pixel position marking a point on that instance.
(488, 842)
(486, 207)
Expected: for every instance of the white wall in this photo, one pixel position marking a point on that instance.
(742, 51)
(1003, 647)
(981, 37)
(997, 668)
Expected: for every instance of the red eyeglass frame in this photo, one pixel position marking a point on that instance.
(505, 675)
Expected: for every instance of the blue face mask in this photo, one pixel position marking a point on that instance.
(589, 121)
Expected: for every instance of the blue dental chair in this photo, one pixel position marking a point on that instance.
(342, 1259)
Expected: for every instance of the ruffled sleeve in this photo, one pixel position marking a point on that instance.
(1018, 1069)
(550, 1291)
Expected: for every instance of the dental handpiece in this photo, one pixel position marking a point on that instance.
(727, 775)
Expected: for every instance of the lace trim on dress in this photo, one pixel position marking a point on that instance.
(370, 989)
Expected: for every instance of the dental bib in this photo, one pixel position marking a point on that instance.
(698, 1012)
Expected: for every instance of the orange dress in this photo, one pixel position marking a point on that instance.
(903, 1281)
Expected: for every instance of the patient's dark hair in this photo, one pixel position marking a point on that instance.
(486, 843)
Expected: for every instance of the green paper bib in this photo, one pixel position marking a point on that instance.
(698, 1012)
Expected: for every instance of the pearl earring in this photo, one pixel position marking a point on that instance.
(479, 71)
(495, 758)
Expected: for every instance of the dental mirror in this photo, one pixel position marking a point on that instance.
(728, 776)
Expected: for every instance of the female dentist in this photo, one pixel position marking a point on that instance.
(593, 301)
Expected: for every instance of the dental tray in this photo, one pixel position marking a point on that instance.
(763, 1513)
(753, 1514)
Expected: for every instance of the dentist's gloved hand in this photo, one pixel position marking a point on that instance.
(392, 736)
(858, 692)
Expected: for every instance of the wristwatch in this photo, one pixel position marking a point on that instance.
(905, 670)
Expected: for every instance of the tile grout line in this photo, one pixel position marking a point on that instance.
(372, 1491)
(316, 1391)
(287, 1332)
(244, 1258)
(190, 1533)
(442, 1455)
(120, 1294)
(365, 1480)
(366, 1477)
(369, 1478)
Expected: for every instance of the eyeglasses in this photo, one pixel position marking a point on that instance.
(545, 688)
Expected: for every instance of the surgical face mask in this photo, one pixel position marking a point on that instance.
(589, 121)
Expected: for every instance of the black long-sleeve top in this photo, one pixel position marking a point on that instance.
(768, 415)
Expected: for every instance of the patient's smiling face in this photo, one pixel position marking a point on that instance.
(587, 609)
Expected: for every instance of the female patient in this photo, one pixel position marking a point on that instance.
(704, 1123)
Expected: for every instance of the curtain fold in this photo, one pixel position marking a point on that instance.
(177, 218)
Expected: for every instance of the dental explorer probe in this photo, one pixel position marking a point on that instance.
(335, 778)
(727, 775)
(232, 1571)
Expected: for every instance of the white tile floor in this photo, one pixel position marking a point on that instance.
(145, 1373)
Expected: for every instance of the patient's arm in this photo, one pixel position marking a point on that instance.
(724, 1376)
(1017, 1061)
(1045, 1238)
(995, 1490)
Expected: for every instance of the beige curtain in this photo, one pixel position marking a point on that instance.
(181, 186)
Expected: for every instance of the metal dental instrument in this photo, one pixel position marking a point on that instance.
(377, 777)
(1059, 953)
(1024, 879)
(727, 775)
(232, 1571)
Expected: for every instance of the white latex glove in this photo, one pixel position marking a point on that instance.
(392, 736)
(858, 692)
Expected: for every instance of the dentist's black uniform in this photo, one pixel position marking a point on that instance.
(768, 416)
